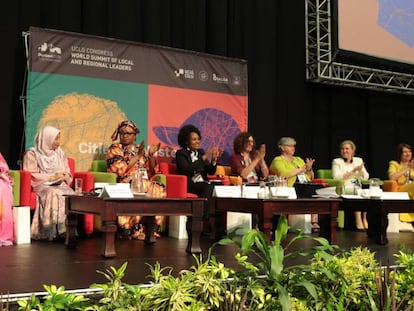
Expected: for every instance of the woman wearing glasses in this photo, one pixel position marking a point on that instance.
(124, 158)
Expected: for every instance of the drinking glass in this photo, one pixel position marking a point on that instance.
(78, 185)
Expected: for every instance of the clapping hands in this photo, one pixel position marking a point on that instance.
(214, 153)
(309, 163)
(358, 168)
(261, 152)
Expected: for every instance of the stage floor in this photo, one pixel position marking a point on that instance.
(25, 268)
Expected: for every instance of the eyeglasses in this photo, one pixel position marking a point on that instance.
(126, 133)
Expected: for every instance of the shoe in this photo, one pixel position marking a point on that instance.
(315, 227)
(405, 227)
(361, 229)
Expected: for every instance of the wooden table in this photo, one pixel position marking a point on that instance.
(266, 209)
(377, 214)
(108, 209)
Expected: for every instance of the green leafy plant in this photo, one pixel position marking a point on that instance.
(346, 278)
(56, 299)
(272, 259)
(118, 295)
(267, 278)
(198, 288)
(395, 286)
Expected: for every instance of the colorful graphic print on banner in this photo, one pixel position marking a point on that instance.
(86, 111)
(216, 115)
(85, 85)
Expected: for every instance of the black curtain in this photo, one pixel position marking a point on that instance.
(269, 34)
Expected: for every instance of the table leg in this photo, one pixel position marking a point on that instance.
(328, 225)
(377, 219)
(194, 227)
(149, 224)
(108, 243)
(218, 221)
(267, 226)
(71, 225)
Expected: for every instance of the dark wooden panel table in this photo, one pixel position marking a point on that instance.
(108, 209)
(377, 214)
(266, 209)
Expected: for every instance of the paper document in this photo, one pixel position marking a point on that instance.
(328, 192)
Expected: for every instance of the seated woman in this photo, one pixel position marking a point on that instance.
(351, 170)
(246, 161)
(196, 163)
(402, 171)
(124, 158)
(6, 201)
(294, 168)
(51, 177)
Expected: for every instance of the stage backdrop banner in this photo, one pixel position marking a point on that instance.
(85, 85)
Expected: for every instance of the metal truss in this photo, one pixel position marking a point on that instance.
(320, 60)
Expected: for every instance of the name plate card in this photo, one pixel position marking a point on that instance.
(252, 192)
(283, 192)
(116, 191)
(395, 196)
(227, 191)
(384, 196)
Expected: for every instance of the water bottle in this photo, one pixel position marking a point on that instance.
(407, 177)
(137, 184)
(262, 191)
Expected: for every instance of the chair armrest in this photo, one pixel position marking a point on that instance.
(88, 182)
(235, 180)
(16, 187)
(319, 181)
(25, 188)
(390, 186)
(104, 177)
(177, 186)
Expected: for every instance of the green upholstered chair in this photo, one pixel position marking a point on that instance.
(160, 178)
(326, 174)
(98, 170)
(16, 187)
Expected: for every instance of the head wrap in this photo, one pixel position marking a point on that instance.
(48, 159)
(44, 140)
(124, 123)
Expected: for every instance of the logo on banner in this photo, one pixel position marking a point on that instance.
(48, 51)
(237, 80)
(218, 79)
(203, 76)
(186, 73)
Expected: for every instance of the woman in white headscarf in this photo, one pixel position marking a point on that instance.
(51, 177)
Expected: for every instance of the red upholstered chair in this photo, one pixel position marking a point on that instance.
(176, 184)
(168, 168)
(28, 197)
